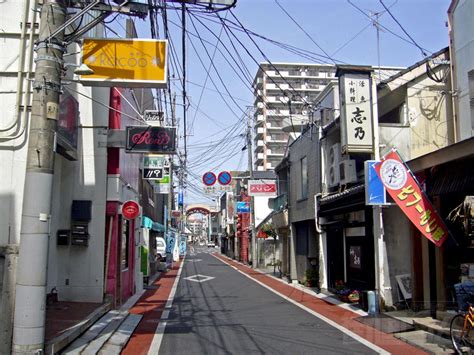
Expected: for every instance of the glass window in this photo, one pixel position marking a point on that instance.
(304, 178)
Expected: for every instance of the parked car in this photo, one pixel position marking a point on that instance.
(160, 249)
(211, 244)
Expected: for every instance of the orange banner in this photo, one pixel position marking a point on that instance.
(406, 192)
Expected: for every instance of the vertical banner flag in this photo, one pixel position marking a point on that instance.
(406, 192)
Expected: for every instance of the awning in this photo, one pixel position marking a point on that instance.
(351, 199)
(344, 194)
(148, 223)
(457, 176)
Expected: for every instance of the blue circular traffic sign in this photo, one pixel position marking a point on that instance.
(209, 178)
(224, 178)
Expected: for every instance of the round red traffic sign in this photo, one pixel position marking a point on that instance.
(130, 210)
(209, 178)
(224, 178)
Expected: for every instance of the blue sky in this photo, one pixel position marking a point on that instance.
(337, 30)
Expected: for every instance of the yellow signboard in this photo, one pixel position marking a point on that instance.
(125, 62)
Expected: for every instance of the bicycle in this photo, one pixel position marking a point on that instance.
(461, 329)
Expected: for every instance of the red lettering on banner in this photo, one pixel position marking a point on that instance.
(411, 200)
(262, 188)
(148, 138)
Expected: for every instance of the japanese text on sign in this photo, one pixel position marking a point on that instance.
(357, 113)
(406, 192)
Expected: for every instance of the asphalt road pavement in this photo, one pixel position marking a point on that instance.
(217, 310)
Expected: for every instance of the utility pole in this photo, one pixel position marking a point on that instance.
(252, 207)
(30, 300)
(376, 24)
(171, 190)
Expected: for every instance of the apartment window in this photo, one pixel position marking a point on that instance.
(304, 178)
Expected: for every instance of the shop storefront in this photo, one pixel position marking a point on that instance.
(348, 240)
(448, 178)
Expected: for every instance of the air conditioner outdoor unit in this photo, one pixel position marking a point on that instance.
(347, 171)
(333, 158)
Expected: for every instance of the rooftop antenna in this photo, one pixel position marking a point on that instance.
(375, 22)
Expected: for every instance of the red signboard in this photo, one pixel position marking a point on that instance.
(406, 192)
(262, 188)
(130, 210)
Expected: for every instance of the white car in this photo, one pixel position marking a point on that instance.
(211, 244)
(160, 249)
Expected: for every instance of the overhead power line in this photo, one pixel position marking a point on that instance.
(403, 29)
(303, 30)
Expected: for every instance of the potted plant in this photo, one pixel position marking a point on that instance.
(268, 229)
(312, 277)
(345, 293)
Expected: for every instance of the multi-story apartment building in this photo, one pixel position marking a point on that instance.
(283, 95)
(284, 103)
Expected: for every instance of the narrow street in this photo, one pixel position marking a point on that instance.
(218, 309)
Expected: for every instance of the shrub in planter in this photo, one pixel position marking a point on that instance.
(312, 277)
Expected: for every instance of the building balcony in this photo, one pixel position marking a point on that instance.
(277, 86)
(260, 118)
(296, 123)
(276, 154)
(275, 126)
(260, 130)
(276, 142)
(278, 203)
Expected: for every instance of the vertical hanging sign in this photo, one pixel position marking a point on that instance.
(356, 112)
(406, 192)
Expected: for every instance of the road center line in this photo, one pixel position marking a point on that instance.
(320, 316)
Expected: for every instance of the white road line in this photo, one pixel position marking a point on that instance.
(320, 316)
(160, 329)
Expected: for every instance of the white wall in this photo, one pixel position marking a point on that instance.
(463, 42)
(261, 208)
(77, 271)
(12, 152)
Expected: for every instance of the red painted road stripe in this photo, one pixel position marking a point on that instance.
(342, 316)
(151, 306)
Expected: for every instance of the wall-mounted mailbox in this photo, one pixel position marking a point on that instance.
(81, 210)
(80, 228)
(79, 240)
(80, 233)
(62, 237)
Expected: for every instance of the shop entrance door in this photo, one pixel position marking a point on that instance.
(360, 262)
(335, 255)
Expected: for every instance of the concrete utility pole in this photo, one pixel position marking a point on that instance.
(252, 209)
(30, 300)
(171, 191)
